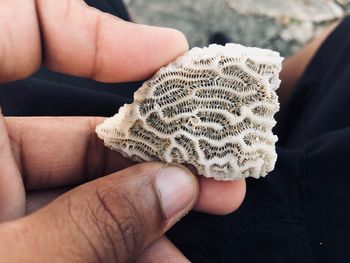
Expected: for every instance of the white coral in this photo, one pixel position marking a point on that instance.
(212, 108)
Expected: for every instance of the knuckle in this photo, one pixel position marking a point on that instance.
(79, 228)
(96, 64)
(119, 221)
(12, 50)
(94, 164)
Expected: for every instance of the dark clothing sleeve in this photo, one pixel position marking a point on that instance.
(299, 212)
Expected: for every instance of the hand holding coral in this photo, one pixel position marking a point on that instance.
(112, 218)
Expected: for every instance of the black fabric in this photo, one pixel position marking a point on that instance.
(114, 7)
(52, 94)
(299, 212)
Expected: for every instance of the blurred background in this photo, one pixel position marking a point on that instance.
(282, 25)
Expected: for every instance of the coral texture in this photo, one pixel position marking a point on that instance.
(212, 108)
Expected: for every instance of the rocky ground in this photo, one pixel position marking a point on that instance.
(283, 25)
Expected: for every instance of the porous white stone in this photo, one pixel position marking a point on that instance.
(301, 10)
(212, 108)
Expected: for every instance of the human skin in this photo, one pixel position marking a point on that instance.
(116, 218)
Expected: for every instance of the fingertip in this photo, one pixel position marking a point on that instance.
(179, 41)
(173, 39)
(102, 47)
(178, 190)
(220, 197)
(139, 51)
(150, 48)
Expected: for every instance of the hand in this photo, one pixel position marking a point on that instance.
(115, 218)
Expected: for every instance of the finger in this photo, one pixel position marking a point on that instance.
(112, 219)
(54, 152)
(20, 52)
(80, 40)
(162, 250)
(12, 196)
(215, 197)
(88, 43)
(220, 197)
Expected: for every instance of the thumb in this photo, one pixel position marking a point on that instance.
(112, 219)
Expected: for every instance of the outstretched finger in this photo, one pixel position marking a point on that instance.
(73, 38)
(89, 43)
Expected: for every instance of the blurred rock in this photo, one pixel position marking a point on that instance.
(302, 10)
(282, 25)
(344, 3)
(301, 32)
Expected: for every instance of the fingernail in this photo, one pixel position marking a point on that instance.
(177, 189)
